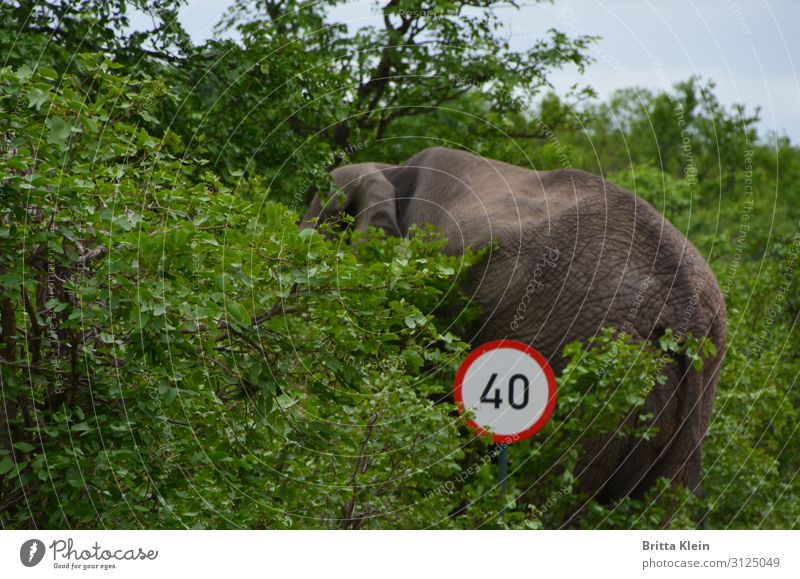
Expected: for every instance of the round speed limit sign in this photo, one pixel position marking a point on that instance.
(508, 388)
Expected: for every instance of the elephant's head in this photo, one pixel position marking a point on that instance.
(364, 192)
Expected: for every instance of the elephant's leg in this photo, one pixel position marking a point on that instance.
(680, 459)
(681, 432)
(612, 466)
(620, 466)
(599, 461)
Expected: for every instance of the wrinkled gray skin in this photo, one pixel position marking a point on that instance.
(587, 254)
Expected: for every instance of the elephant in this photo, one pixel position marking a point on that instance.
(588, 254)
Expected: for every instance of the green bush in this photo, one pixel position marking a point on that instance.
(184, 357)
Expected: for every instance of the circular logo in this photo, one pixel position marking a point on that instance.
(508, 388)
(31, 552)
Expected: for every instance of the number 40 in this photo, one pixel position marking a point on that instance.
(497, 401)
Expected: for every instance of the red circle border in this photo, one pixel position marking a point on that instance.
(551, 388)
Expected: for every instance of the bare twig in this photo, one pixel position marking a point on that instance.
(348, 521)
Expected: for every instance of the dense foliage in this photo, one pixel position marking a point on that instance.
(177, 353)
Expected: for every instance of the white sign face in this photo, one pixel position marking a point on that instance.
(508, 388)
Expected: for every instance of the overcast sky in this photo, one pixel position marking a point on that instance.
(747, 47)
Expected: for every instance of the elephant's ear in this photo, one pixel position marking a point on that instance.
(369, 196)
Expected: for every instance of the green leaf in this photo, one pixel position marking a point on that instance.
(60, 130)
(445, 270)
(708, 348)
(6, 464)
(667, 341)
(17, 164)
(24, 446)
(239, 313)
(168, 394)
(37, 97)
(24, 72)
(415, 320)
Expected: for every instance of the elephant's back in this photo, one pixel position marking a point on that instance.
(619, 263)
(616, 252)
(479, 200)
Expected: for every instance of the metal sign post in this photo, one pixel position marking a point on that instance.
(502, 460)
